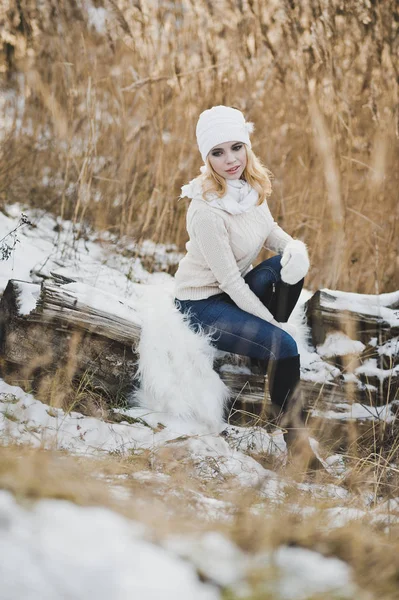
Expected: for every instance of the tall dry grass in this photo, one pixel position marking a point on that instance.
(101, 99)
(174, 507)
(98, 126)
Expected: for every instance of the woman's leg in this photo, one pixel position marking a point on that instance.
(279, 297)
(234, 330)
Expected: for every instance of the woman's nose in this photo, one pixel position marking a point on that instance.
(230, 158)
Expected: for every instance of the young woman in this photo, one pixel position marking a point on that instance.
(245, 309)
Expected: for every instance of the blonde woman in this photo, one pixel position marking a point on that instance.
(228, 221)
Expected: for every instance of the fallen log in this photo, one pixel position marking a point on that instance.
(362, 316)
(90, 337)
(371, 320)
(47, 327)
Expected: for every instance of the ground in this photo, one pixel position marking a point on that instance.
(140, 504)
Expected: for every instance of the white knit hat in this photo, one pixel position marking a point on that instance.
(221, 124)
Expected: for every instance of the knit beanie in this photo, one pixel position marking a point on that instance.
(221, 124)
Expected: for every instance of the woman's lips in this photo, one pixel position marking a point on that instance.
(233, 170)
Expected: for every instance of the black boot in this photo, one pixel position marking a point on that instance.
(283, 378)
(283, 299)
(288, 411)
(280, 299)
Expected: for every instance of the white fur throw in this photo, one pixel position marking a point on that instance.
(176, 365)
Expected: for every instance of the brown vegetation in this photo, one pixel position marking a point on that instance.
(99, 121)
(100, 111)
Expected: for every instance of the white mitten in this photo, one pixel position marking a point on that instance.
(295, 262)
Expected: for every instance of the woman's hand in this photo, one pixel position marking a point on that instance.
(295, 262)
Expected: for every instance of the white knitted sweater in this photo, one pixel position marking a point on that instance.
(220, 252)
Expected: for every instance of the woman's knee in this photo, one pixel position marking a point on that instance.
(273, 264)
(283, 346)
(264, 274)
(289, 347)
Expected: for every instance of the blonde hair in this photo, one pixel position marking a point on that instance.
(255, 173)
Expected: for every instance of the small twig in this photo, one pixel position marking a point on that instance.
(5, 249)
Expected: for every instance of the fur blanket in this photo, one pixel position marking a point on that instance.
(175, 367)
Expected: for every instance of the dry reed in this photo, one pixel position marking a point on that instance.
(100, 102)
(99, 122)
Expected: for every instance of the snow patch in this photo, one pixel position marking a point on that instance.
(60, 550)
(390, 348)
(366, 304)
(369, 369)
(303, 573)
(361, 412)
(339, 344)
(97, 18)
(28, 297)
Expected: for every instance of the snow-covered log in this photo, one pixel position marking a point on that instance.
(62, 323)
(360, 315)
(52, 325)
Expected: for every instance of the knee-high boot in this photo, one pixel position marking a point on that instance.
(284, 299)
(288, 410)
(284, 388)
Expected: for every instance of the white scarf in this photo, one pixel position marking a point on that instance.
(239, 198)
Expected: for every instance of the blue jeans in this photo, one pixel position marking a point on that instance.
(235, 330)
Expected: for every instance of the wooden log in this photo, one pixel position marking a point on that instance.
(373, 327)
(62, 329)
(323, 317)
(250, 399)
(63, 332)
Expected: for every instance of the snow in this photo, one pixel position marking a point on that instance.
(59, 550)
(105, 302)
(293, 573)
(24, 420)
(366, 304)
(255, 439)
(339, 344)
(146, 476)
(238, 369)
(369, 369)
(97, 18)
(111, 556)
(314, 369)
(358, 411)
(390, 348)
(304, 573)
(214, 555)
(339, 516)
(29, 295)
(324, 491)
(53, 245)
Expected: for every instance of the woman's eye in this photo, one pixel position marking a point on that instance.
(217, 153)
(237, 147)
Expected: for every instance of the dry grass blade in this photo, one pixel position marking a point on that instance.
(103, 119)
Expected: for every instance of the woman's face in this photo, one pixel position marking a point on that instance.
(228, 159)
